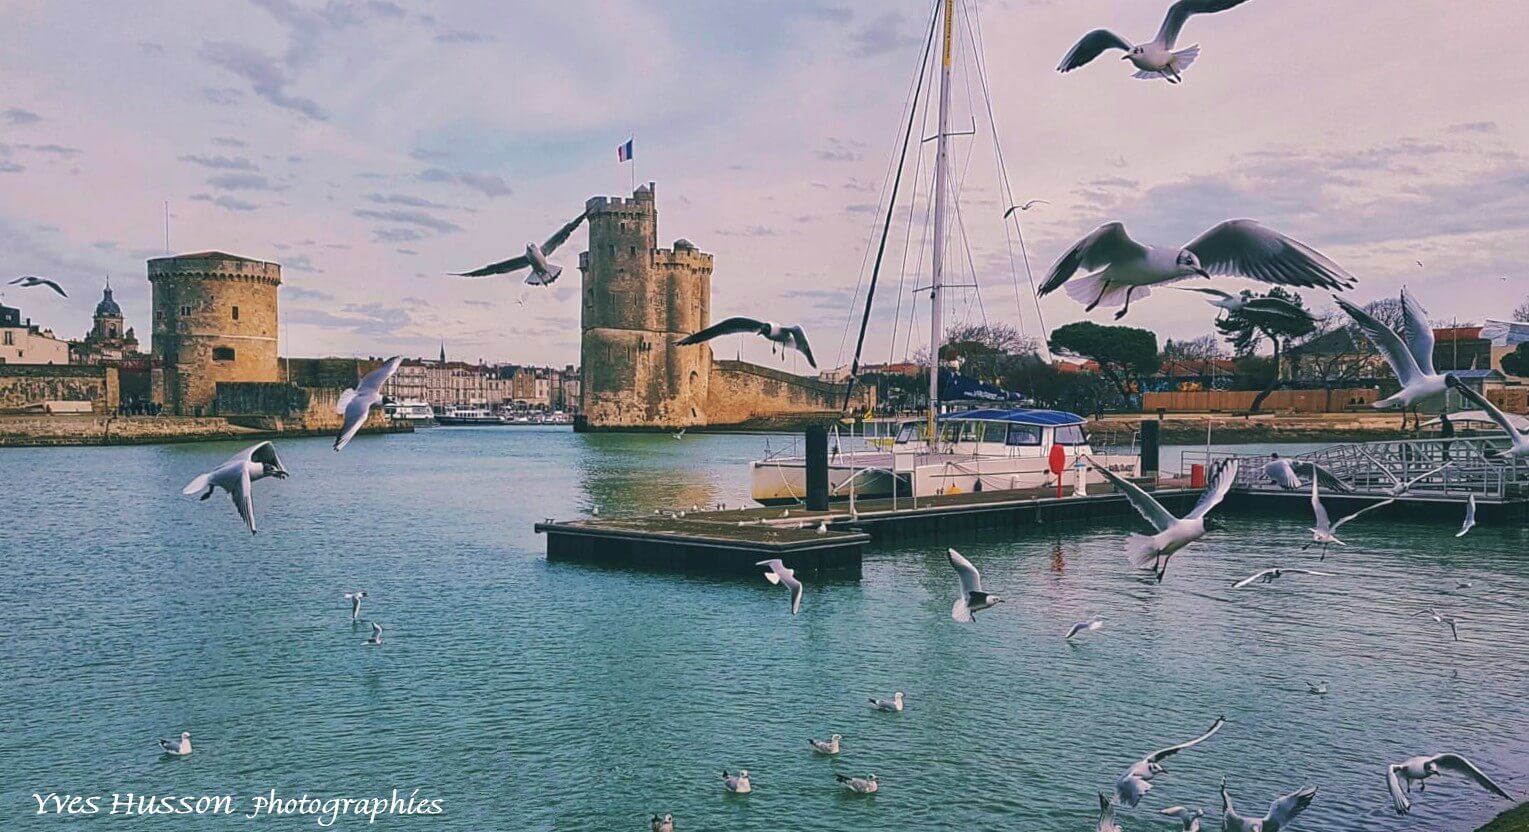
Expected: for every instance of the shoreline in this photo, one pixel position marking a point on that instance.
(99, 431)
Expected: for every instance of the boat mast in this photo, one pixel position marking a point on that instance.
(941, 165)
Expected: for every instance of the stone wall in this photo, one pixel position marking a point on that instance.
(278, 405)
(25, 387)
(215, 320)
(338, 373)
(743, 393)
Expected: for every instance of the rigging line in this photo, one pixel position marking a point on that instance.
(910, 103)
(902, 274)
(1004, 179)
(881, 249)
(925, 234)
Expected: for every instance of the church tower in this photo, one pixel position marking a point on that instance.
(109, 323)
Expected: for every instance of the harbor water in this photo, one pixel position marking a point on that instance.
(523, 695)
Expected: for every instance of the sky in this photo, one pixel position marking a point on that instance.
(371, 147)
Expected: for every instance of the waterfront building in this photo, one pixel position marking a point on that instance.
(110, 339)
(23, 342)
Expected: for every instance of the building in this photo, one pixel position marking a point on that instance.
(23, 342)
(215, 319)
(1461, 348)
(110, 339)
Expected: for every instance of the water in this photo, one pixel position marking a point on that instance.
(531, 696)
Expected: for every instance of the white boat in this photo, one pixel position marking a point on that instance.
(469, 415)
(415, 412)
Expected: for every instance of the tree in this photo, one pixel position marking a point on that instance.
(1204, 348)
(1124, 354)
(969, 340)
(1246, 330)
(1517, 362)
(1521, 314)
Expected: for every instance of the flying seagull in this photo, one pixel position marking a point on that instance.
(542, 272)
(1247, 304)
(177, 748)
(235, 476)
(1287, 475)
(859, 785)
(1269, 576)
(1421, 768)
(779, 574)
(1136, 782)
(737, 783)
(893, 704)
(27, 281)
(788, 337)
(1157, 58)
(1085, 627)
(1411, 360)
(1123, 268)
(376, 638)
(973, 598)
(1190, 818)
(1173, 534)
(1281, 812)
(1025, 207)
(1519, 439)
(1107, 814)
(1326, 531)
(829, 747)
(662, 824)
(1441, 619)
(1470, 518)
(1398, 485)
(356, 403)
(355, 603)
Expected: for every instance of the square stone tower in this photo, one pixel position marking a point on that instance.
(638, 301)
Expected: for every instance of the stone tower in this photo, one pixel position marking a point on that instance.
(214, 320)
(638, 300)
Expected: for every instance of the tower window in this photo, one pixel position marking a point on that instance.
(632, 250)
(185, 310)
(222, 353)
(236, 313)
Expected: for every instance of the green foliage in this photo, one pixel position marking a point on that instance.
(1124, 354)
(1255, 372)
(1517, 362)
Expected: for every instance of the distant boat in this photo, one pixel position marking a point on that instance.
(469, 415)
(415, 412)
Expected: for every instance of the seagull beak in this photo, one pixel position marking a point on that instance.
(1203, 273)
(1126, 57)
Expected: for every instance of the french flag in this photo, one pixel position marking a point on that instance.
(624, 152)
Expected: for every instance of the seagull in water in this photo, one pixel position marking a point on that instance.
(1470, 520)
(1190, 818)
(1153, 551)
(1025, 207)
(542, 272)
(1319, 689)
(376, 638)
(829, 747)
(235, 476)
(177, 748)
(973, 598)
(1284, 473)
(1157, 58)
(1123, 269)
(662, 824)
(737, 783)
(1326, 531)
(680, 434)
(1411, 360)
(1269, 576)
(786, 337)
(27, 281)
(1136, 782)
(1251, 304)
(1106, 814)
(1085, 627)
(893, 704)
(1420, 769)
(354, 404)
(1520, 440)
(1281, 812)
(779, 574)
(355, 604)
(1441, 619)
(859, 785)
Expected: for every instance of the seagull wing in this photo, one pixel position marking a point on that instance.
(1090, 47)
(243, 496)
(1323, 521)
(1221, 481)
(1460, 765)
(1283, 475)
(1107, 244)
(1398, 792)
(728, 326)
(1171, 750)
(795, 586)
(1405, 486)
(1419, 333)
(1391, 347)
(561, 235)
(1328, 478)
(1278, 307)
(1251, 579)
(1106, 814)
(265, 452)
(1150, 509)
(378, 377)
(776, 567)
(799, 340)
(1212, 292)
(55, 287)
(1470, 516)
(1309, 572)
(514, 264)
(1284, 809)
(971, 579)
(1181, 11)
(1481, 401)
(1362, 511)
(1244, 248)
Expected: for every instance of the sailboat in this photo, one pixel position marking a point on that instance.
(958, 451)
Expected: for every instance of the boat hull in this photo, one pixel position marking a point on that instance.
(784, 481)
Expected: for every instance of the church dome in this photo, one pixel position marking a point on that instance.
(108, 307)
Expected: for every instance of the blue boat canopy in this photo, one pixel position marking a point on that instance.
(1039, 418)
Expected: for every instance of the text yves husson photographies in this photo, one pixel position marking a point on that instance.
(325, 811)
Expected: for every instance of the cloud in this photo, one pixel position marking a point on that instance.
(402, 199)
(268, 76)
(7, 166)
(227, 141)
(406, 251)
(419, 218)
(750, 231)
(488, 184)
(50, 149)
(373, 321)
(17, 117)
(220, 162)
(243, 182)
(150, 48)
(460, 36)
(427, 154)
(1475, 127)
(300, 263)
(227, 202)
(300, 293)
(397, 235)
(839, 150)
(886, 33)
(222, 96)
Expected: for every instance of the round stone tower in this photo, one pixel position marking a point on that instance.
(638, 300)
(214, 320)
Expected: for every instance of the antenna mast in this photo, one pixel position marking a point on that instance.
(937, 273)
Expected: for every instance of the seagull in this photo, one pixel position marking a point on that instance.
(1269, 576)
(1411, 360)
(788, 337)
(1085, 627)
(737, 783)
(356, 403)
(1255, 305)
(355, 604)
(829, 747)
(235, 476)
(1441, 619)
(1281, 812)
(1122, 268)
(1107, 814)
(1283, 473)
(177, 748)
(1025, 207)
(376, 638)
(680, 434)
(1189, 817)
(662, 824)
(1470, 522)
(542, 272)
(893, 704)
(1422, 768)
(27, 281)
(1519, 439)
(1326, 531)
(1136, 782)
(779, 574)
(1319, 689)
(1398, 486)
(1157, 58)
(859, 785)
(1173, 534)
(973, 598)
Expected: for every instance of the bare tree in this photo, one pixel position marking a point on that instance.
(1204, 348)
(1521, 314)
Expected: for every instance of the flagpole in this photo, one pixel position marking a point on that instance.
(633, 159)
